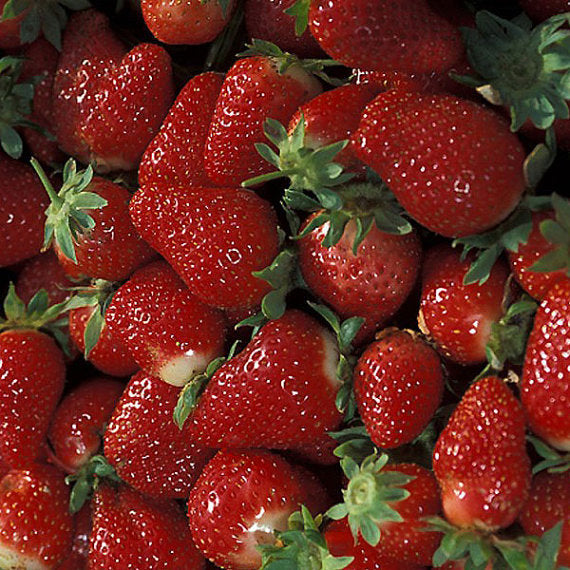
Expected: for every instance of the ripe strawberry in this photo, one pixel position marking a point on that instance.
(279, 392)
(81, 418)
(77, 559)
(146, 447)
(134, 531)
(255, 88)
(540, 11)
(452, 164)
(457, 318)
(411, 37)
(175, 156)
(36, 528)
(398, 383)
(10, 28)
(22, 203)
(187, 22)
(213, 238)
(480, 458)
(545, 387)
(240, 500)
(547, 505)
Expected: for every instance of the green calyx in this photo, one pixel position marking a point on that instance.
(525, 69)
(300, 11)
(551, 460)
(66, 214)
(368, 496)
(301, 547)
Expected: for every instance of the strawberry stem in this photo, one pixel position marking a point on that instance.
(53, 196)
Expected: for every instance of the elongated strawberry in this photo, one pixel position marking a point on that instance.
(213, 238)
(255, 492)
(36, 528)
(175, 155)
(398, 383)
(480, 458)
(545, 387)
(146, 447)
(131, 530)
(452, 164)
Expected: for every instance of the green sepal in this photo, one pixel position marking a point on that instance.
(223, 47)
(87, 479)
(548, 548)
(354, 442)
(552, 460)
(300, 11)
(540, 159)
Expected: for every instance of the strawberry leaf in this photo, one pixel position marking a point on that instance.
(552, 460)
(354, 442)
(300, 11)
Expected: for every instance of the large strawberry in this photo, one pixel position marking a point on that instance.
(545, 388)
(452, 164)
(480, 458)
(253, 493)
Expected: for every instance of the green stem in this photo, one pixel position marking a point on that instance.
(53, 196)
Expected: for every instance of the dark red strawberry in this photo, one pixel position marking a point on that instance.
(240, 500)
(146, 447)
(214, 239)
(188, 21)
(10, 28)
(540, 11)
(480, 458)
(80, 420)
(176, 154)
(545, 387)
(453, 165)
(134, 531)
(36, 529)
(398, 383)
(77, 559)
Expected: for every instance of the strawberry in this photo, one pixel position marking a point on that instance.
(398, 383)
(452, 164)
(36, 528)
(103, 245)
(385, 36)
(22, 203)
(545, 386)
(175, 156)
(145, 446)
(77, 557)
(10, 27)
(480, 458)
(213, 238)
(186, 22)
(134, 531)
(80, 419)
(457, 318)
(279, 392)
(540, 11)
(255, 88)
(240, 500)
(170, 332)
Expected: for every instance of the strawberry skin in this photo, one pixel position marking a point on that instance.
(545, 389)
(480, 458)
(398, 383)
(213, 238)
(540, 11)
(146, 447)
(279, 392)
(36, 528)
(241, 498)
(453, 165)
(78, 556)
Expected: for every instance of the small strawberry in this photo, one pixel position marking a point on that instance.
(134, 531)
(545, 386)
(241, 499)
(480, 458)
(36, 529)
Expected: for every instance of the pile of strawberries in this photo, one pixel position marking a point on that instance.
(265, 312)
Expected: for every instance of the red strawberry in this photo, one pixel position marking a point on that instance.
(452, 164)
(176, 154)
(255, 89)
(10, 28)
(241, 498)
(36, 528)
(540, 11)
(77, 559)
(385, 36)
(548, 504)
(457, 318)
(133, 531)
(213, 238)
(22, 203)
(146, 447)
(81, 418)
(545, 387)
(480, 458)
(398, 383)
(188, 21)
